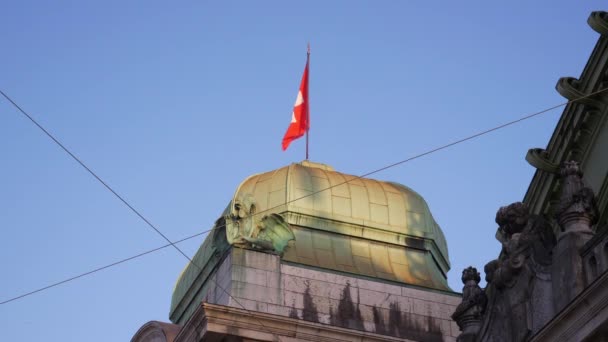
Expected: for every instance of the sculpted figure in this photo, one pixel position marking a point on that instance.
(244, 228)
(473, 297)
(468, 313)
(519, 274)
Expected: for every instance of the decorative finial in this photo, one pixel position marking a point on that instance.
(577, 201)
(470, 273)
(469, 312)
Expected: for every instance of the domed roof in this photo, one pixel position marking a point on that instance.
(353, 224)
(318, 190)
(333, 221)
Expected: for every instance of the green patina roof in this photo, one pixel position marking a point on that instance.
(362, 226)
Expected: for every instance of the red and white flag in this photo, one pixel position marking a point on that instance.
(300, 116)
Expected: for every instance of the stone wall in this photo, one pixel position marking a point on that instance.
(259, 282)
(595, 256)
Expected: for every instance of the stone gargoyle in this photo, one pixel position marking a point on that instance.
(244, 227)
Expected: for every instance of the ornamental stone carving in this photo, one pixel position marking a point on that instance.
(570, 88)
(599, 22)
(576, 214)
(247, 229)
(519, 291)
(468, 314)
(577, 201)
(539, 158)
(536, 274)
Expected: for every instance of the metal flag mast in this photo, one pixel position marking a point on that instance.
(308, 98)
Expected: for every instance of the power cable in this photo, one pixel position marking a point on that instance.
(99, 269)
(436, 149)
(116, 194)
(91, 171)
(272, 208)
(266, 210)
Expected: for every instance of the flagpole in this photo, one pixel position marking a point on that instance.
(308, 99)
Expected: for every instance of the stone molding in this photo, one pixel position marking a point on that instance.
(201, 278)
(581, 317)
(598, 21)
(539, 158)
(155, 331)
(578, 125)
(570, 88)
(224, 321)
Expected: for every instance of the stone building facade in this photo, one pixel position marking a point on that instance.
(307, 253)
(549, 282)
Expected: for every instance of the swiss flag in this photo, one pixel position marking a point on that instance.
(300, 116)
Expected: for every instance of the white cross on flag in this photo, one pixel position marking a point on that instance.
(299, 117)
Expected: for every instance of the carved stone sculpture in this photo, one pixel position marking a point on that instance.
(519, 281)
(577, 201)
(468, 314)
(539, 158)
(244, 228)
(576, 213)
(536, 275)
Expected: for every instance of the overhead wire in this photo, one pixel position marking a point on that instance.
(95, 270)
(108, 187)
(170, 243)
(312, 194)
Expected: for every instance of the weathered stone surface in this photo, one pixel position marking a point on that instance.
(535, 275)
(576, 214)
(260, 283)
(262, 261)
(522, 271)
(469, 313)
(584, 319)
(595, 255)
(577, 209)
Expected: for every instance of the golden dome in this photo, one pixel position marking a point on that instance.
(359, 225)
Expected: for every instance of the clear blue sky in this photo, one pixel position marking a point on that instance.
(175, 104)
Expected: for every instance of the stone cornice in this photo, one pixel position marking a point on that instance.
(384, 281)
(570, 88)
(583, 315)
(219, 320)
(197, 285)
(539, 158)
(155, 329)
(577, 127)
(599, 22)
